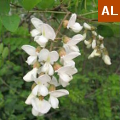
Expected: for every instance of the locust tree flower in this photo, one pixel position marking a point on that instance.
(86, 26)
(41, 85)
(38, 27)
(49, 58)
(100, 37)
(106, 59)
(88, 43)
(71, 46)
(75, 26)
(95, 52)
(42, 32)
(47, 34)
(68, 58)
(65, 74)
(30, 75)
(54, 95)
(30, 50)
(94, 43)
(40, 106)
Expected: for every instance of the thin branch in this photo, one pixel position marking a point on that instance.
(51, 46)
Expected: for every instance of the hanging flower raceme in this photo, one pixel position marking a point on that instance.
(48, 62)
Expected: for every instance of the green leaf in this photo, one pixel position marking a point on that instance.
(5, 52)
(1, 48)
(4, 6)
(29, 4)
(11, 23)
(105, 31)
(45, 4)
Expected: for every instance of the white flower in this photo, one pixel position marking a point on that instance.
(29, 98)
(86, 26)
(68, 59)
(106, 59)
(30, 50)
(102, 46)
(94, 33)
(75, 26)
(49, 58)
(54, 97)
(41, 83)
(30, 75)
(40, 106)
(93, 44)
(54, 82)
(36, 113)
(100, 37)
(70, 46)
(94, 53)
(88, 43)
(37, 24)
(65, 74)
(47, 33)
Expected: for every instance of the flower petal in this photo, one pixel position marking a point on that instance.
(45, 107)
(72, 20)
(48, 32)
(75, 39)
(37, 23)
(30, 50)
(34, 32)
(76, 27)
(59, 93)
(54, 81)
(54, 102)
(41, 106)
(63, 83)
(29, 76)
(36, 113)
(28, 100)
(35, 90)
(41, 40)
(43, 79)
(43, 55)
(53, 57)
(43, 90)
(47, 68)
(31, 60)
(65, 77)
(70, 56)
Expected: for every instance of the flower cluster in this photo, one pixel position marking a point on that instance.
(55, 68)
(97, 44)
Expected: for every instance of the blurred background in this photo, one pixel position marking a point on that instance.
(94, 90)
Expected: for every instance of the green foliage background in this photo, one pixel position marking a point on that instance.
(95, 89)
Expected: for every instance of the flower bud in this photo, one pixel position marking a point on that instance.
(65, 23)
(38, 49)
(56, 66)
(65, 39)
(94, 33)
(100, 37)
(106, 59)
(93, 43)
(52, 88)
(36, 64)
(86, 26)
(62, 52)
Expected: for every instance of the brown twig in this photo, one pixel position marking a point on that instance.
(51, 46)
